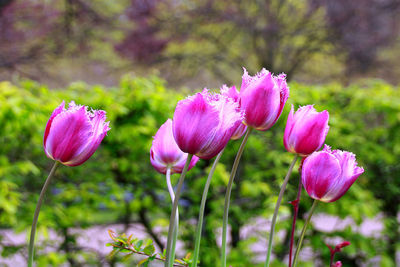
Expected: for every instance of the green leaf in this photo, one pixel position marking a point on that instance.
(138, 245)
(149, 249)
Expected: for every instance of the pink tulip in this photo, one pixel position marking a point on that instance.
(327, 175)
(73, 135)
(165, 153)
(262, 98)
(233, 94)
(204, 123)
(306, 130)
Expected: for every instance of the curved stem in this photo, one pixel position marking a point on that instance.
(228, 196)
(201, 212)
(169, 258)
(296, 212)
(314, 205)
(36, 214)
(176, 226)
(278, 204)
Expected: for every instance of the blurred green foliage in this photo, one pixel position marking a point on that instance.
(118, 184)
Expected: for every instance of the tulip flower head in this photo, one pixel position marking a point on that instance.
(203, 123)
(327, 175)
(165, 153)
(72, 135)
(262, 97)
(233, 94)
(305, 130)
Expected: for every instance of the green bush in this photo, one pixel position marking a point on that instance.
(118, 184)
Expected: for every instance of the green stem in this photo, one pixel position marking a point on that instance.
(169, 258)
(201, 213)
(176, 226)
(278, 204)
(228, 196)
(36, 214)
(303, 232)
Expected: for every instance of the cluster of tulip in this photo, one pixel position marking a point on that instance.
(203, 124)
(201, 127)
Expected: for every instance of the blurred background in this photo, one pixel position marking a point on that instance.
(136, 59)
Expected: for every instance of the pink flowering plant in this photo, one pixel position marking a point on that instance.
(200, 129)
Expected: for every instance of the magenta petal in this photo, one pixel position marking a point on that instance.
(261, 104)
(350, 173)
(311, 135)
(57, 111)
(159, 165)
(288, 132)
(306, 130)
(229, 118)
(73, 135)
(239, 132)
(319, 172)
(99, 131)
(178, 166)
(262, 97)
(204, 123)
(327, 175)
(69, 132)
(230, 92)
(165, 153)
(339, 189)
(195, 123)
(284, 93)
(165, 146)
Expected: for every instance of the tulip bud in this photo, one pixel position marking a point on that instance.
(72, 136)
(262, 98)
(306, 130)
(327, 175)
(165, 153)
(233, 94)
(204, 123)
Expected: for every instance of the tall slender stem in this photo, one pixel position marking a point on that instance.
(278, 204)
(228, 196)
(36, 214)
(169, 258)
(296, 212)
(176, 226)
(314, 205)
(201, 212)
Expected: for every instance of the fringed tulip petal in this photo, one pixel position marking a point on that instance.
(319, 173)
(327, 175)
(305, 130)
(233, 94)
(194, 123)
(262, 98)
(73, 135)
(204, 123)
(99, 131)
